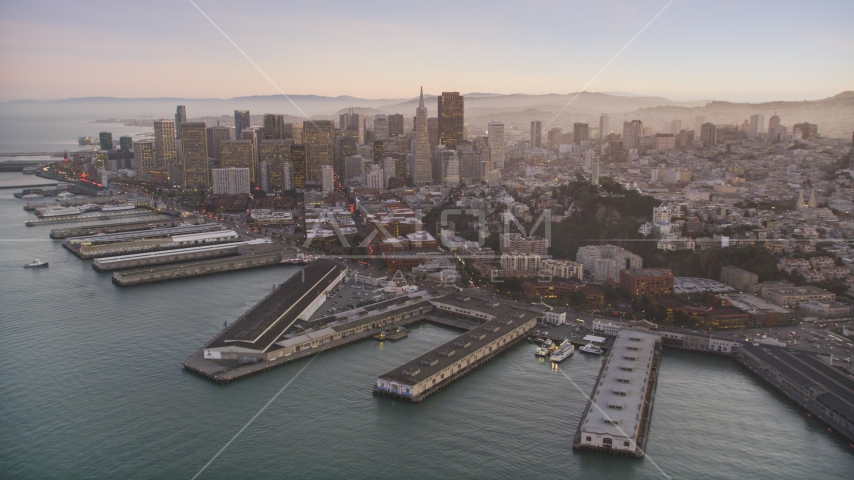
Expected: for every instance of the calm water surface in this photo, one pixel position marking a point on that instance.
(92, 387)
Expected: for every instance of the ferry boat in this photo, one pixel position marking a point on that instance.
(57, 211)
(32, 195)
(594, 349)
(36, 264)
(116, 208)
(563, 352)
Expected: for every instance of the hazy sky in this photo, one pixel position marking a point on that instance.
(749, 50)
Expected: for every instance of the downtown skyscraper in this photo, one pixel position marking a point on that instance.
(536, 134)
(422, 172)
(194, 152)
(451, 119)
(318, 137)
(241, 122)
(164, 144)
(604, 128)
(180, 117)
(496, 145)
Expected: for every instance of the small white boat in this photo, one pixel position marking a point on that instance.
(36, 264)
(542, 352)
(116, 208)
(591, 348)
(563, 352)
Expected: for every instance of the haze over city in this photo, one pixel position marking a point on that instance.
(382, 239)
(734, 51)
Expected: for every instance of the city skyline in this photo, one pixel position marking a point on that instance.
(42, 45)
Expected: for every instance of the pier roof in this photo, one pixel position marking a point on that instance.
(270, 318)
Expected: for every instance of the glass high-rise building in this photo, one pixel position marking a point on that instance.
(106, 140)
(180, 117)
(317, 136)
(143, 157)
(164, 143)
(194, 152)
(274, 126)
(604, 128)
(708, 134)
(126, 142)
(241, 121)
(631, 134)
(580, 133)
(238, 154)
(380, 127)
(451, 119)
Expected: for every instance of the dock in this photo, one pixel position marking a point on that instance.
(136, 201)
(249, 256)
(150, 241)
(109, 228)
(806, 379)
(617, 415)
(503, 324)
(180, 255)
(90, 218)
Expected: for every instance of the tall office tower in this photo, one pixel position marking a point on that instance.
(378, 150)
(254, 135)
(604, 120)
(773, 122)
(380, 127)
(143, 157)
(496, 144)
(275, 153)
(241, 122)
(263, 182)
(675, 127)
(536, 134)
(180, 117)
(164, 143)
(274, 126)
(594, 170)
(287, 175)
(631, 134)
(215, 135)
(395, 125)
(194, 152)
(293, 131)
(708, 135)
(353, 121)
(238, 154)
(126, 142)
(230, 181)
(451, 119)
(421, 168)
(433, 132)
(327, 179)
(757, 124)
(580, 133)
(298, 162)
(317, 136)
(698, 122)
(106, 141)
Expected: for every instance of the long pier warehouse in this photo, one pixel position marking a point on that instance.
(503, 326)
(617, 417)
(83, 230)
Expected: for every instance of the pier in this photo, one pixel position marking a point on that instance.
(214, 236)
(78, 201)
(171, 256)
(89, 218)
(251, 256)
(148, 234)
(108, 228)
(807, 380)
(617, 416)
(503, 325)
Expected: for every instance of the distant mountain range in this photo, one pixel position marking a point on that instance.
(834, 115)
